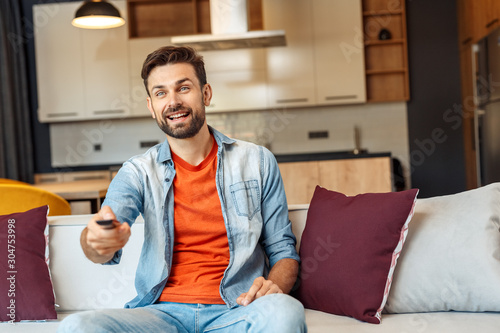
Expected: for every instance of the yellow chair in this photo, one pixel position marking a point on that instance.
(15, 198)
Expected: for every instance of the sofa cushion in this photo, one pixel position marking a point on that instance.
(451, 260)
(349, 249)
(26, 289)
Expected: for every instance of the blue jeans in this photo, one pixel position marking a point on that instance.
(271, 313)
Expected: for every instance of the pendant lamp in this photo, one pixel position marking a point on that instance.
(97, 14)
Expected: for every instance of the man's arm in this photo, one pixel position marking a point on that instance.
(281, 279)
(99, 244)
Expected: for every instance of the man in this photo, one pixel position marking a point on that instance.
(229, 260)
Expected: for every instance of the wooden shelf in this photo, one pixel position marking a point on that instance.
(385, 71)
(382, 12)
(386, 64)
(385, 42)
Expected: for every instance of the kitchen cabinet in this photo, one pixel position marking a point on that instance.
(475, 20)
(338, 52)
(468, 125)
(290, 69)
(387, 75)
(58, 62)
(105, 63)
(349, 176)
(323, 63)
(486, 17)
(82, 74)
(466, 32)
(237, 91)
(138, 50)
(156, 18)
(237, 77)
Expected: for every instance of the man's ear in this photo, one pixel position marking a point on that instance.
(207, 94)
(150, 107)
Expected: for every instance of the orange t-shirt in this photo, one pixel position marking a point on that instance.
(201, 250)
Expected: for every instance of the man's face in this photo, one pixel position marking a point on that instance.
(177, 101)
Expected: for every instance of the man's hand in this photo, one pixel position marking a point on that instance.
(259, 288)
(100, 244)
(281, 279)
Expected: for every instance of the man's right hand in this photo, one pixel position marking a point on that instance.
(100, 244)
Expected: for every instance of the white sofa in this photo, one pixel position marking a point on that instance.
(81, 285)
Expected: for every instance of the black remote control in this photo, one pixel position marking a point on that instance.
(106, 224)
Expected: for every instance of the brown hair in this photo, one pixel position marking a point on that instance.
(173, 55)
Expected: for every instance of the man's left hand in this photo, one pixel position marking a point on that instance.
(259, 288)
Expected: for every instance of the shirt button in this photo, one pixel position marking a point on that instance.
(167, 180)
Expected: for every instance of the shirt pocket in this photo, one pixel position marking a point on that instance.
(246, 197)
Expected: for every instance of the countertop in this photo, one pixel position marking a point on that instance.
(321, 156)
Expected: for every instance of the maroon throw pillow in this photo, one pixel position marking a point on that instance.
(26, 288)
(349, 250)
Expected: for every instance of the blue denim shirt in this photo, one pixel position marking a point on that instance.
(253, 204)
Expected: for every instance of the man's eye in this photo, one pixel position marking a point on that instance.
(184, 88)
(160, 94)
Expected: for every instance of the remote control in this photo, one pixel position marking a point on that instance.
(106, 224)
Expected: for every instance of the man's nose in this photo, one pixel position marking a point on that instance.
(175, 101)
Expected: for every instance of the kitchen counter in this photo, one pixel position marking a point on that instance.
(344, 172)
(323, 156)
(92, 190)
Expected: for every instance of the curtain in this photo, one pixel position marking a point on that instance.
(16, 144)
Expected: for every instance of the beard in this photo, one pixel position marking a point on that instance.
(183, 130)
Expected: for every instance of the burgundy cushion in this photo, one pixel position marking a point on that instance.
(26, 289)
(349, 250)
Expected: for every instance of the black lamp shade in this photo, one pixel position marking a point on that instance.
(97, 14)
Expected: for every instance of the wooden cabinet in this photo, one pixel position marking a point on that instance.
(290, 69)
(486, 16)
(387, 76)
(338, 52)
(468, 124)
(476, 19)
(349, 176)
(465, 14)
(81, 74)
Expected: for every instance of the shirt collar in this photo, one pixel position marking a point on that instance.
(165, 155)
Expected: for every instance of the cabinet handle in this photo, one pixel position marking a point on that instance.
(48, 180)
(491, 23)
(335, 98)
(292, 100)
(467, 40)
(60, 115)
(108, 111)
(77, 178)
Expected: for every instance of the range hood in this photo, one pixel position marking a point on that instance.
(229, 25)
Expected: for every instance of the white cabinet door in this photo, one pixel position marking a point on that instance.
(237, 91)
(139, 48)
(58, 63)
(106, 77)
(339, 53)
(290, 69)
(238, 79)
